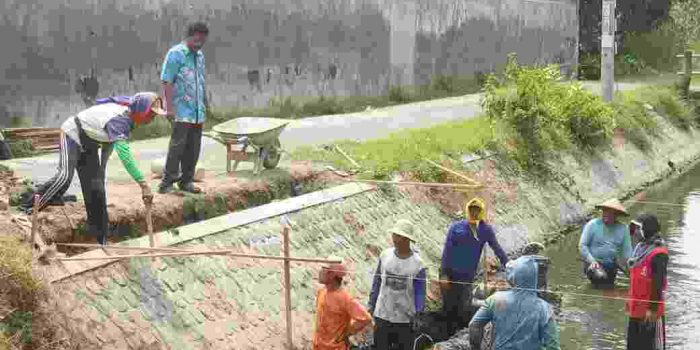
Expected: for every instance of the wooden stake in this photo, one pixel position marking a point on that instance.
(287, 282)
(424, 184)
(35, 217)
(230, 253)
(453, 172)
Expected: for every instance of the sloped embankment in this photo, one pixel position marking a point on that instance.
(214, 302)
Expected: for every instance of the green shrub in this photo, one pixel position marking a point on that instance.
(667, 101)
(19, 323)
(653, 49)
(589, 66)
(399, 94)
(22, 148)
(528, 105)
(631, 115)
(323, 106)
(589, 118)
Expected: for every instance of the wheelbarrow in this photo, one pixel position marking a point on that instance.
(253, 140)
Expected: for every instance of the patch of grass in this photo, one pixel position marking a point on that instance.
(631, 116)
(399, 94)
(16, 260)
(666, 101)
(5, 343)
(20, 324)
(405, 150)
(21, 122)
(22, 148)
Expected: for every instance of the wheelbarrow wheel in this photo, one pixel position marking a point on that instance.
(273, 155)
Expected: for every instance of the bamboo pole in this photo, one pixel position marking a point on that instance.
(142, 249)
(424, 184)
(203, 252)
(453, 172)
(287, 282)
(337, 148)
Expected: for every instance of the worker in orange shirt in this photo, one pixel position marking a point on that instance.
(338, 314)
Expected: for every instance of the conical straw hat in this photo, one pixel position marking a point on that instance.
(613, 204)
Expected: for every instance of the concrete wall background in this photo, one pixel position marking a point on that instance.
(261, 49)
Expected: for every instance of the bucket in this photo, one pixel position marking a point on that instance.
(542, 270)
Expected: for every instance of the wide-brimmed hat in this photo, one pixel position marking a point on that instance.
(403, 228)
(613, 204)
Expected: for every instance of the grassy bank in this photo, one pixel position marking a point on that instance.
(300, 107)
(528, 115)
(18, 293)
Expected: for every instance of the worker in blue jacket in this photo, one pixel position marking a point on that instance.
(460, 261)
(521, 320)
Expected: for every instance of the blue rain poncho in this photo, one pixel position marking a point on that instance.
(522, 320)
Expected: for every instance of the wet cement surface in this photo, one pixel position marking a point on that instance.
(594, 319)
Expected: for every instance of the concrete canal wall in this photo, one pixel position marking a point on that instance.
(262, 49)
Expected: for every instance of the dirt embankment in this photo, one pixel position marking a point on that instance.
(127, 217)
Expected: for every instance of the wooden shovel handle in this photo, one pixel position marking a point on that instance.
(149, 224)
(35, 216)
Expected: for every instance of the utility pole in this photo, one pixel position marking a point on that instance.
(607, 49)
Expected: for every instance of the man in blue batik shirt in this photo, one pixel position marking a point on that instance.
(185, 101)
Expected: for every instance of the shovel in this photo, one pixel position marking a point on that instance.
(149, 224)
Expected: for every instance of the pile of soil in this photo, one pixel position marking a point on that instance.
(452, 202)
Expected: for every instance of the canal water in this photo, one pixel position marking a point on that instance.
(594, 319)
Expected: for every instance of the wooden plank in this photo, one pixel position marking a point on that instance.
(47, 148)
(36, 134)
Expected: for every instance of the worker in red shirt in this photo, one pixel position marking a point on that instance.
(338, 314)
(645, 304)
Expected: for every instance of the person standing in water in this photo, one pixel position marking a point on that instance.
(521, 319)
(460, 260)
(604, 240)
(646, 328)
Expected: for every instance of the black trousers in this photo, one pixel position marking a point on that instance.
(457, 306)
(393, 336)
(643, 335)
(91, 167)
(183, 154)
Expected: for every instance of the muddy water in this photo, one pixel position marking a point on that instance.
(595, 319)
